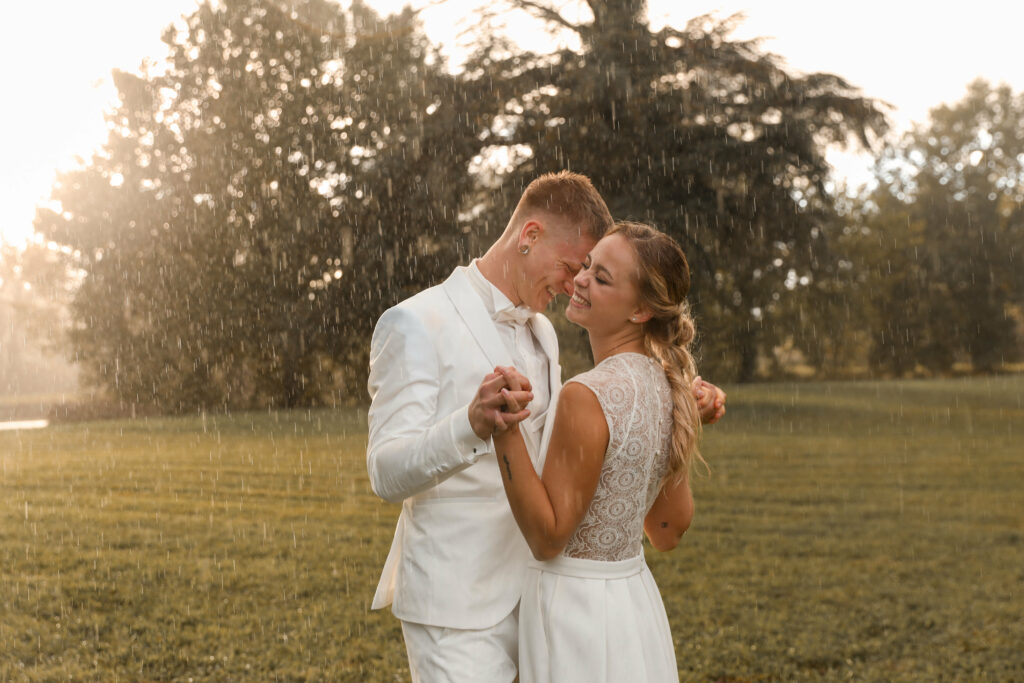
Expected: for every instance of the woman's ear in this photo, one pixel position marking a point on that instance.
(640, 315)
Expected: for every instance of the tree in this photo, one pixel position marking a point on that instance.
(947, 220)
(289, 174)
(709, 138)
(34, 292)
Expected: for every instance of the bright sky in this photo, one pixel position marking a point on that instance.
(56, 58)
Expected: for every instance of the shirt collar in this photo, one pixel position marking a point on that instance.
(494, 300)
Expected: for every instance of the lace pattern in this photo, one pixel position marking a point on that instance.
(637, 403)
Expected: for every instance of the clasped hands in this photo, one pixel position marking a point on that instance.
(501, 401)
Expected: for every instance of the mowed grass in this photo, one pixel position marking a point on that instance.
(865, 531)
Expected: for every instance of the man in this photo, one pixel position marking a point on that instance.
(455, 569)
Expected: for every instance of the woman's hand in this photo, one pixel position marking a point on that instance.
(710, 401)
(516, 394)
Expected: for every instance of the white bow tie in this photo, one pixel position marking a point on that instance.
(519, 315)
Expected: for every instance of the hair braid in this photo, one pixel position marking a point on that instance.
(664, 281)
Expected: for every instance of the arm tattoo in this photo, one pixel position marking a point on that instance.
(508, 467)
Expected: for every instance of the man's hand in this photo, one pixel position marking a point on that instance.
(488, 411)
(710, 401)
(516, 388)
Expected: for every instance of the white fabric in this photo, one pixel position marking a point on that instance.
(520, 315)
(458, 558)
(514, 325)
(594, 613)
(439, 654)
(637, 403)
(588, 621)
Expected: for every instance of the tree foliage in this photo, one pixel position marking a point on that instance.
(289, 172)
(709, 138)
(941, 239)
(34, 292)
(260, 200)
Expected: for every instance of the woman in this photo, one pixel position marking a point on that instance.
(624, 438)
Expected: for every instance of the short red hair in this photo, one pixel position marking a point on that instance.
(570, 196)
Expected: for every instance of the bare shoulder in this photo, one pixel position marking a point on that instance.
(576, 396)
(580, 412)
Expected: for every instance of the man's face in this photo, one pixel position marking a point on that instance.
(556, 255)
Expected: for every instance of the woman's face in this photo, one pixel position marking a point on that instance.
(606, 296)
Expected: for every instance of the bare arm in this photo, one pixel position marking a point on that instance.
(670, 516)
(672, 512)
(548, 508)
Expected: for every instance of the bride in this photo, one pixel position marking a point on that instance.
(624, 439)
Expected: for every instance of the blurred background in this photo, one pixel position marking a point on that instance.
(206, 207)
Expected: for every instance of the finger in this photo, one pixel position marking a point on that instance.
(704, 403)
(698, 391)
(512, 378)
(498, 398)
(491, 385)
(495, 402)
(520, 397)
(516, 401)
(513, 405)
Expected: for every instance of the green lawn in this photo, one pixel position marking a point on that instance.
(867, 531)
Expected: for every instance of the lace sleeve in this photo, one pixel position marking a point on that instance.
(616, 394)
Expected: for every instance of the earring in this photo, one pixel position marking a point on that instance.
(524, 250)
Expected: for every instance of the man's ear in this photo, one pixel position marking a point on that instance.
(530, 233)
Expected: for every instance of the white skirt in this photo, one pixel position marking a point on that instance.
(593, 622)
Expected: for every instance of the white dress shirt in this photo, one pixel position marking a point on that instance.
(521, 343)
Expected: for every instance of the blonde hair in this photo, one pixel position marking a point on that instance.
(663, 282)
(570, 196)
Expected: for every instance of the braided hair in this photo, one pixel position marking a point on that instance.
(663, 282)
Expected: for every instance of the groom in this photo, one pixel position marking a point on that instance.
(454, 573)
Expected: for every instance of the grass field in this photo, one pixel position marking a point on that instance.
(865, 531)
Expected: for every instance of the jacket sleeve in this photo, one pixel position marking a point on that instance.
(410, 447)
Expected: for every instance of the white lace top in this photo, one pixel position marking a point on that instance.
(637, 403)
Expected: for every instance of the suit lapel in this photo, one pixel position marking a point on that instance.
(480, 326)
(474, 314)
(545, 334)
(549, 342)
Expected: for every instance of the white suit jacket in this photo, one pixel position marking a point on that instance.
(458, 559)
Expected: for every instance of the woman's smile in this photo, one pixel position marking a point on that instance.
(578, 301)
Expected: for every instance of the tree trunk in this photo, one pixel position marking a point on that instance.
(748, 354)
